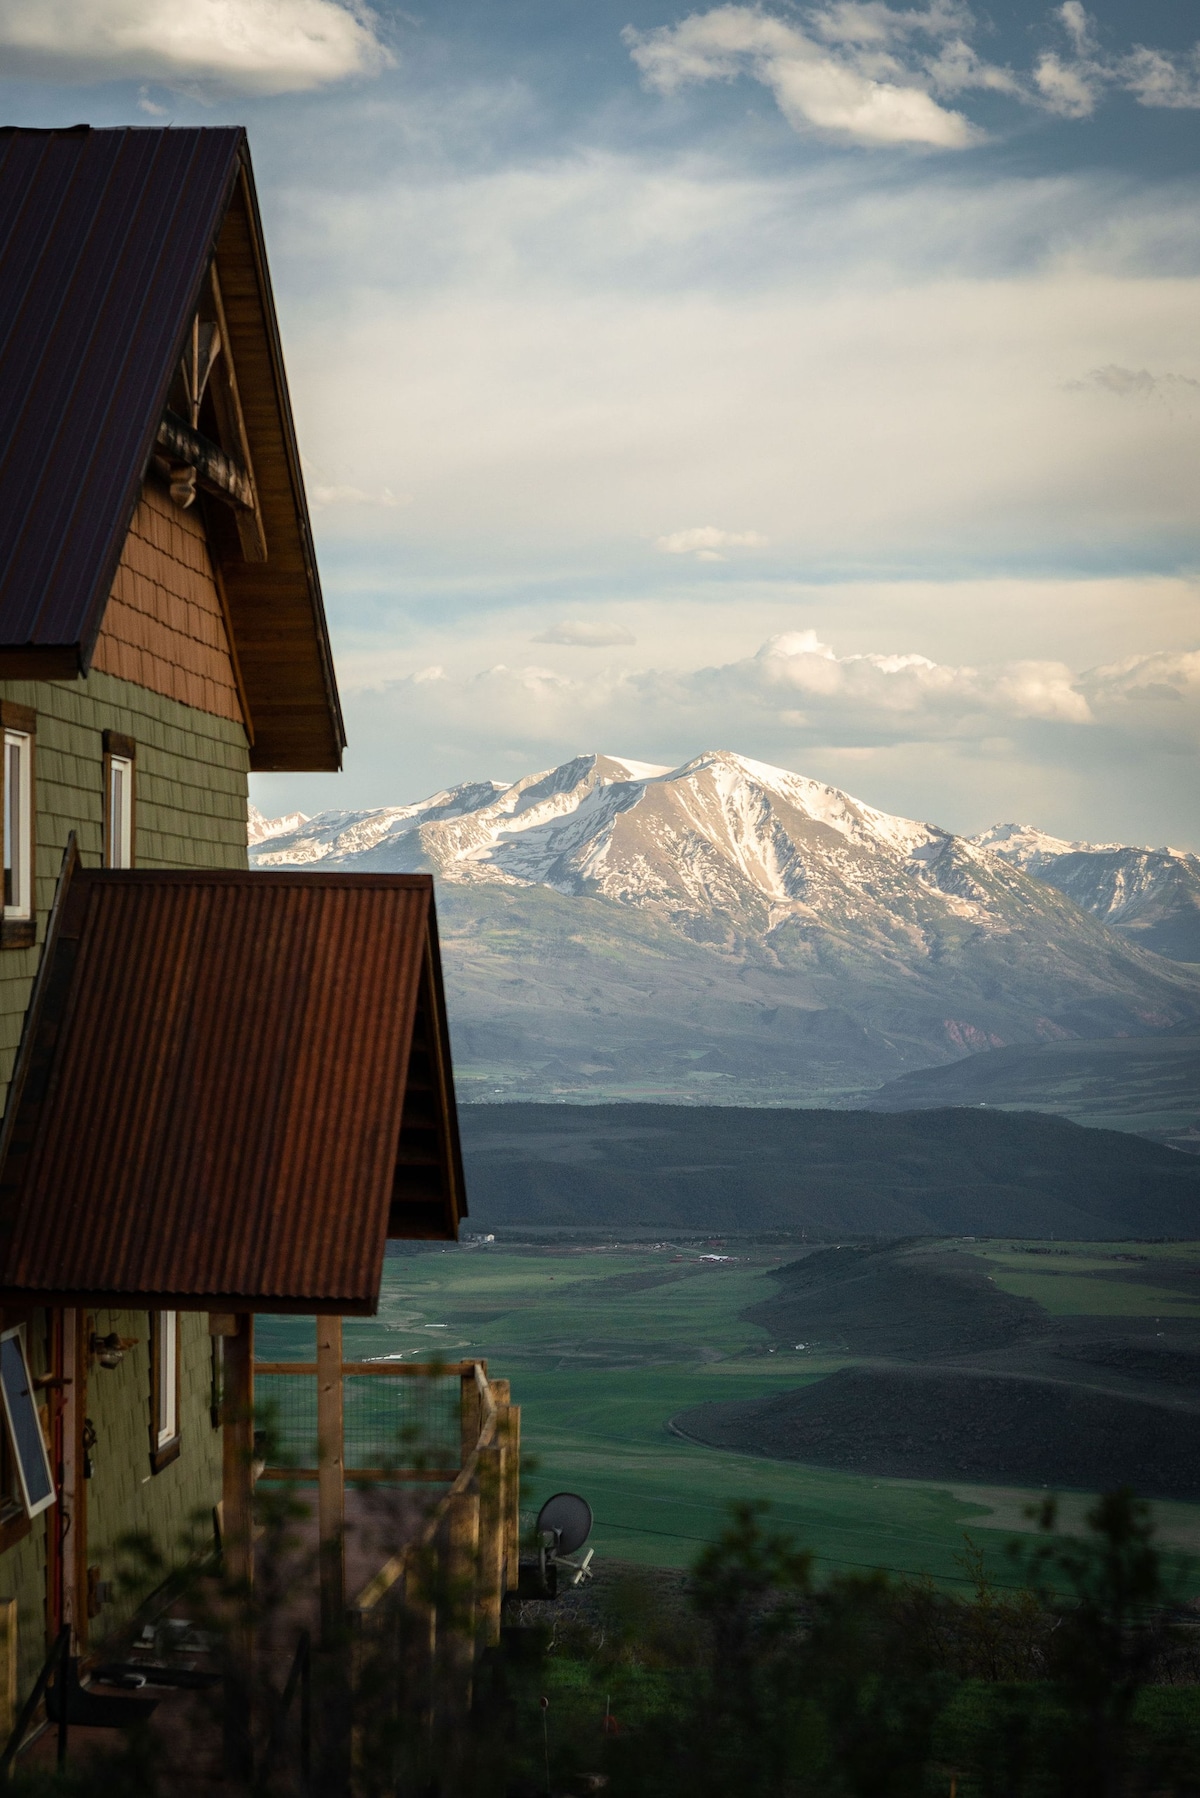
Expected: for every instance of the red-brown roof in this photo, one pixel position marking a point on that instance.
(106, 241)
(232, 1089)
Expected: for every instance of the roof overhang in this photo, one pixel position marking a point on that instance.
(232, 1088)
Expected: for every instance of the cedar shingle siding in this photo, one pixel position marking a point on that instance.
(164, 628)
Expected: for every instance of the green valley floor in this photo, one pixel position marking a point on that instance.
(614, 1349)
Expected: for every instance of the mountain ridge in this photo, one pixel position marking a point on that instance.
(736, 930)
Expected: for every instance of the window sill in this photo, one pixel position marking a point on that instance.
(18, 933)
(14, 1526)
(162, 1457)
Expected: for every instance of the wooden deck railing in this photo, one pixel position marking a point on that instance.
(450, 1576)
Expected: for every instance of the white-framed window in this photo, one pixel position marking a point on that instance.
(120, 800)
(120, 812)
(25, 1439)
(164, 1387)
(18, 825)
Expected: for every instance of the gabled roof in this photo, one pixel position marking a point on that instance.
(107, 240)
(232, 1088)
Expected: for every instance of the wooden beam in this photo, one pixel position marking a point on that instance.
(228, 403)
(331, 1479)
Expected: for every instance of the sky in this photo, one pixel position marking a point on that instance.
(817, 381)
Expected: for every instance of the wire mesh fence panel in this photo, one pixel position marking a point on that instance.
(407, 1423)
(285, 1408)
(412, 1422)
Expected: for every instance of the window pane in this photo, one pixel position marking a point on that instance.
(25, 1430)
(119, 848)
(17, 884)
(167, 1341)
(12, 821)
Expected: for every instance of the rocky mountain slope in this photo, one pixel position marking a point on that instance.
(732, 931)
(1150, 895)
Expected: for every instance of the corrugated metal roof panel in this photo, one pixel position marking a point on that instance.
(209, 1101)
(106, 239)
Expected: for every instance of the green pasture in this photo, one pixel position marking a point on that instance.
(1095, 1280)
(605, 1345)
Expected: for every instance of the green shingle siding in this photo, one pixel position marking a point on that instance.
(191, 792)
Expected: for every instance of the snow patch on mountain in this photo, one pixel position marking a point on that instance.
(1152, 895)
(259, 827)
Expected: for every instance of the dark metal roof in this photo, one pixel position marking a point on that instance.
(231, 1089)
(106, 237)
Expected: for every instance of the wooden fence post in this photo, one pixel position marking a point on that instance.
(491, 1542)
(508, 1434)
(470, 1412)
(458, 1575)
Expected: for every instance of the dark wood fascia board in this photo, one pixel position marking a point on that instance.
(302, 1304)
(276, 607)
(36, 661)
(448, 1109)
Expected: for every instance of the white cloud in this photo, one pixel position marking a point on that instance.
(706, 542)
(869, 72)
(1070, 89)
(851, 85)
(229, 46)
(1073, 85)
(1157, 81)
(577, 633)
(322, 495)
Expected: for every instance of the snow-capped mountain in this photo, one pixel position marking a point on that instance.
(1150, 895)
(259, 828)
(644, 930)
(720, 835)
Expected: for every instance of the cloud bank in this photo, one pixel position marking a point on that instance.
(578, 633)
(806, 693)
(221, 46)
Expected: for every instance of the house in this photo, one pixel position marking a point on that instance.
(223, 1091)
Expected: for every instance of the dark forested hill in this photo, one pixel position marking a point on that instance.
(726, 1168)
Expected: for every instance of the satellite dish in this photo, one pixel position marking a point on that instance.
(569, 1517)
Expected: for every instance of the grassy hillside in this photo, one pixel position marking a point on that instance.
(825, 1173)
(1006, 1362)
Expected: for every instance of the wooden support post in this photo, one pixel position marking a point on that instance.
(237, 1453)
(84, 1325)
(237, 1537)
(331, 1480)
